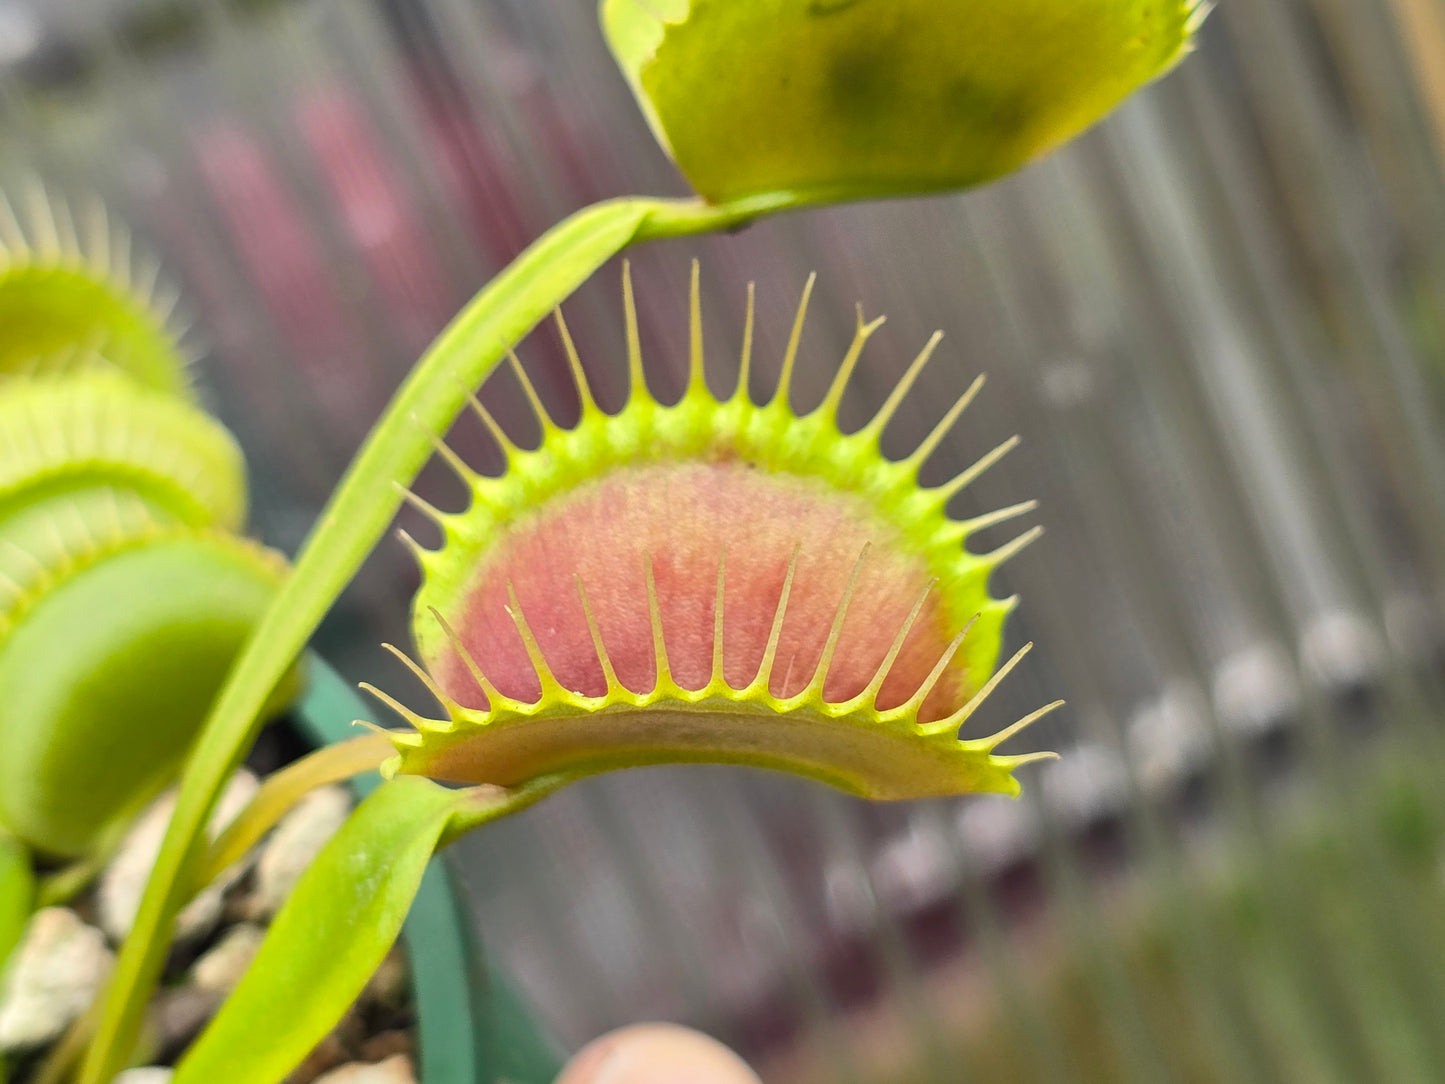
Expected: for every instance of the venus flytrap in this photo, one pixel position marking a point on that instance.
(115, 500)
(75, 296)
(91, 455)
(766, 105)
(124, 592)
(710, 581)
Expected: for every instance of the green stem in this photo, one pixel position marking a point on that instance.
(357, 515)
(282, 790)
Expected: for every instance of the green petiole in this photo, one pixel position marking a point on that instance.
(356, 517)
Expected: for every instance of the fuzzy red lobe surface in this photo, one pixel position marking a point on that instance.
(684, 515)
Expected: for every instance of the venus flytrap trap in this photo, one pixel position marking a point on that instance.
(92, 454)
(124, 591)
(766, 105)
(115, 500)
(711, 581)
(75, 296)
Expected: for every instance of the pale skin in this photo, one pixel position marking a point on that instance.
(656, 1054)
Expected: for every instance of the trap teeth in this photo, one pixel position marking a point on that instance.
(75, 296)
(90, 458)
(711, 581)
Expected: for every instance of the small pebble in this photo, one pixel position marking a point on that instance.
(297, 840)
(180, 1013)
(148, 1074)
(124, 880)
(222, 967)
(54, 974)
(394, 1070)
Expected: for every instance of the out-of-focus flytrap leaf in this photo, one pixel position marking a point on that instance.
(852, 99)
(345, 913)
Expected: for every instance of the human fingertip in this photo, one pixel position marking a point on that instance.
(656, 1054)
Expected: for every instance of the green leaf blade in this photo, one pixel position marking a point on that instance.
(328, 939)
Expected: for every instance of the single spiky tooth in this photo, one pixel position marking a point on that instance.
(122, 268)
(603, 658)
(745, 356)
(820, 675)
(504, 442)
(743, 588)
(545, 678)
(795, 337)
(696, 368)
(931, 442)
(663, 671)
(1012, 548)
(458, 465)
(914, 704)
(442, 699)
(65, 229)
(1198, 11)
(962, 528)
(717, 676)
(420, 722)
(993, 741)
(829, 406)
(879, 421)
(763, 679)
(98, 228)
(17, 246)
(636, 377)
(406, 736)
(970, 474)
(425, 507)
(495, 699)
(165, 301)
(574, 364)
(148, 279)
(869, 694)
(539, 409)
(415, 548)
(40, 209)
(1018, 760)
(958, 718)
